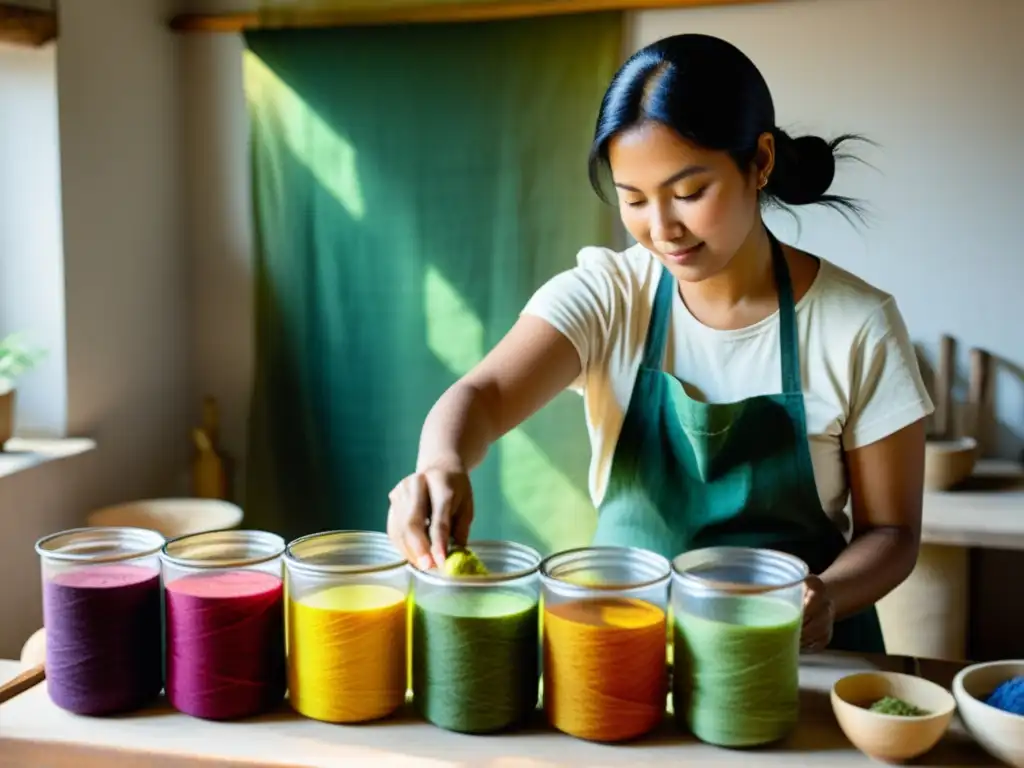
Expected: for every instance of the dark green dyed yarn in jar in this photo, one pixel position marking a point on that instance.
(475, 659)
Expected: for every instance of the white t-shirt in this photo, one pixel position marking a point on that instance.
(860, 375)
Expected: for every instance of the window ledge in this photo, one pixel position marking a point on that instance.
(21, 453)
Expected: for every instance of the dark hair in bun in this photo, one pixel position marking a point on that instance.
(710, 92)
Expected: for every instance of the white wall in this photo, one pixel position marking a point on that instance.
(31, 256)
(219, 230)
(128, 298)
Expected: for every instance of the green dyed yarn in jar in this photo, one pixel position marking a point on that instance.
(475, 659)
(735, 680)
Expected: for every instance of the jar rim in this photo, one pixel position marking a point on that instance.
(440, 578)
(683, 564)
(376, 538)
(645, 557)
(150, 543)
(273, 545)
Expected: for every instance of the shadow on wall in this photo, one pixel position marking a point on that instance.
(411, 191)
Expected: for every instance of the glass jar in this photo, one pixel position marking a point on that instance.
(347, 626)
(101, 614)
(224, 603)
(737, 616)
(475, 641)
(605, 674)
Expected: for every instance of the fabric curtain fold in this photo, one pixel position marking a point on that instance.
(412, 186)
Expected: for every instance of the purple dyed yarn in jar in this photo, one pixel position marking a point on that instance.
(103, 638)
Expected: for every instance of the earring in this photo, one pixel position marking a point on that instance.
(762, 182)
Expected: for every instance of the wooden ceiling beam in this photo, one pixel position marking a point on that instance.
(26, 26)
(424, 14)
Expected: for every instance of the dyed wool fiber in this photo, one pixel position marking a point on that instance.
(225, 643)
(475, 666)
(103, 638)
(347, 652)
(736, 674)
(605, 677)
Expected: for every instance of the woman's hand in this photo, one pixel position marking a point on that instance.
(428, 508)
(528, 367)
(819, 615)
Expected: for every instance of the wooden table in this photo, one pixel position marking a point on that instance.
(987, 511)
(33, 732)
(929, 614)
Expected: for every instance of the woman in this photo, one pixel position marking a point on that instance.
(737, 390)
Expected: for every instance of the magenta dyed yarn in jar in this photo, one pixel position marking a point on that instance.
(224, 602)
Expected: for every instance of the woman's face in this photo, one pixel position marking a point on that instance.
(691, 207)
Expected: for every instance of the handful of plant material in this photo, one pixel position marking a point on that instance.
(462, 562)
(890, 705)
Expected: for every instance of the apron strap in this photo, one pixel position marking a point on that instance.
(788, 338)
(654, 345)
(657, 330)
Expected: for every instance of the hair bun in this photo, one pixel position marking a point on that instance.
(804, 168)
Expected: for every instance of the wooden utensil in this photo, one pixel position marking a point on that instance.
(30, 677)
(944, 387)
(948, 460)
(978, 390)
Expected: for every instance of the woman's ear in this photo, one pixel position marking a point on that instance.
(764, 159)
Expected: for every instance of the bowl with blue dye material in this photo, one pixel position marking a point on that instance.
(990, 700)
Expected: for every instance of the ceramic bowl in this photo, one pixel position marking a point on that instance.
(1001, 734)
(171, 517)
(891, 738)
(947, 463)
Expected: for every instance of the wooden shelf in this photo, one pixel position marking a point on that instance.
(424, 14)
(26, 26)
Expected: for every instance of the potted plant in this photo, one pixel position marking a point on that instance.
(17, 357)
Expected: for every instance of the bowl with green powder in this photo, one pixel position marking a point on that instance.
(890, 716)
(990, 700)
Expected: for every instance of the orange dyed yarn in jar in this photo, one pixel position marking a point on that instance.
(605, 676)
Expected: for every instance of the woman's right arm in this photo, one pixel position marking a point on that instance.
(527, 368)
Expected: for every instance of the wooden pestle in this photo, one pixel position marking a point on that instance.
(944, 388)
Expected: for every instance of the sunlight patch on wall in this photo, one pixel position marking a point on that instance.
(325, 154)
(559, 514)
(540, 495)
(454, 333)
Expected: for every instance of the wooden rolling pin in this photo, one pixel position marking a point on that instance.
(33, 658)
(30, 677)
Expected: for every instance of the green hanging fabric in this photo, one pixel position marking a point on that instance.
(413, 185)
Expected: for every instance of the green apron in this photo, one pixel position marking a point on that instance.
(688, 475)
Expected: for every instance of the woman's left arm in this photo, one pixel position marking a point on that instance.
(886, 489)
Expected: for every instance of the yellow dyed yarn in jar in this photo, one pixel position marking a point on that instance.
(347, 652)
